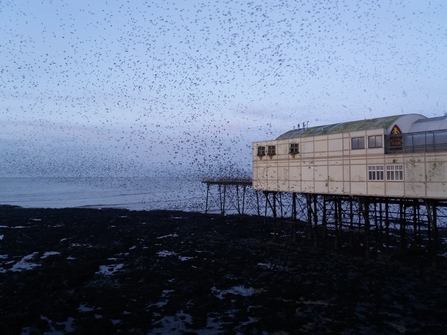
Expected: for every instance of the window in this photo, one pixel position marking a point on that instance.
(375, 141)
(358, 143)
(261, 151)
(395, 172)
(271, 150)
(294, 148)
(375, 172)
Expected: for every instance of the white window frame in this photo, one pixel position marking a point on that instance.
(375, 173)
(395, 172)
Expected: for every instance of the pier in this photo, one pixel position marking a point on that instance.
(230, 195)
(374, 224)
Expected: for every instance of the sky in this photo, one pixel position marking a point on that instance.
(103, 88)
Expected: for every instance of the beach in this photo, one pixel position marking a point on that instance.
(107, 271)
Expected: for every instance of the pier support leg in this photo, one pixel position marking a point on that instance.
(294, 213)
(207, 194)
(238, 205)
(337, 224)
(315, 214)
(274, 216)
(415, 225)
(272, 206)
(324, 218)
(387, 226)
(244, 189)
(222, 199)
(364, 208)
(432, 218)
(380, 238)
(266, 195)
(258, 205)
(309, 216)
(403, 243)
(340, 215)
(280, 205)
(351, 222)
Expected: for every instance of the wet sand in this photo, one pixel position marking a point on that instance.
(107, 271)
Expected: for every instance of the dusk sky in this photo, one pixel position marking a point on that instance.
(127, 87)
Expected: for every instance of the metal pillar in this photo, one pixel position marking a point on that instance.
(315, 215)
(207, 196)
(402, 220)
(432, 218)
(309, 215)
(371, 221)
(294, 214)
(364, 209)
(272, 206)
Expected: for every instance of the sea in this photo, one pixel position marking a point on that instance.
(133, 193)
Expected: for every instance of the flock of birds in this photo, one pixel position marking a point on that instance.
(143, 87)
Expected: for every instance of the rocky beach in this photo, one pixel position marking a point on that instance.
(111, 271)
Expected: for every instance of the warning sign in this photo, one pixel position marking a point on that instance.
(396, 138)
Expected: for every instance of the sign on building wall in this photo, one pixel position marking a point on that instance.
(396, 138)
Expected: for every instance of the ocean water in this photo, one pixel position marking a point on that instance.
(134, 193)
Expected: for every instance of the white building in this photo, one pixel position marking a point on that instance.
(402, 156)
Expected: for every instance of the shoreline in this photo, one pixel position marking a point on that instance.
(108, 270)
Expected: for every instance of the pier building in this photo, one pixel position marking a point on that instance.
(359, 175)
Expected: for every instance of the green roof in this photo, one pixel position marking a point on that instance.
(378, 123)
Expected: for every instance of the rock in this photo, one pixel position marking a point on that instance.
(109, 271)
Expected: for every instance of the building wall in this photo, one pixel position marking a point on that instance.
(326, 164)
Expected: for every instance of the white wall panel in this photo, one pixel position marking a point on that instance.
(437, 190)
(376, 188)
(327, 165)
(358, 188)
(414, 170)
(411, 189)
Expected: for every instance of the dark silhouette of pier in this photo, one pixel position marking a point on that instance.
(378, 225)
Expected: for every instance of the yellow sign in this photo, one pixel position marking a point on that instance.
(395, 130)
(396, 141)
